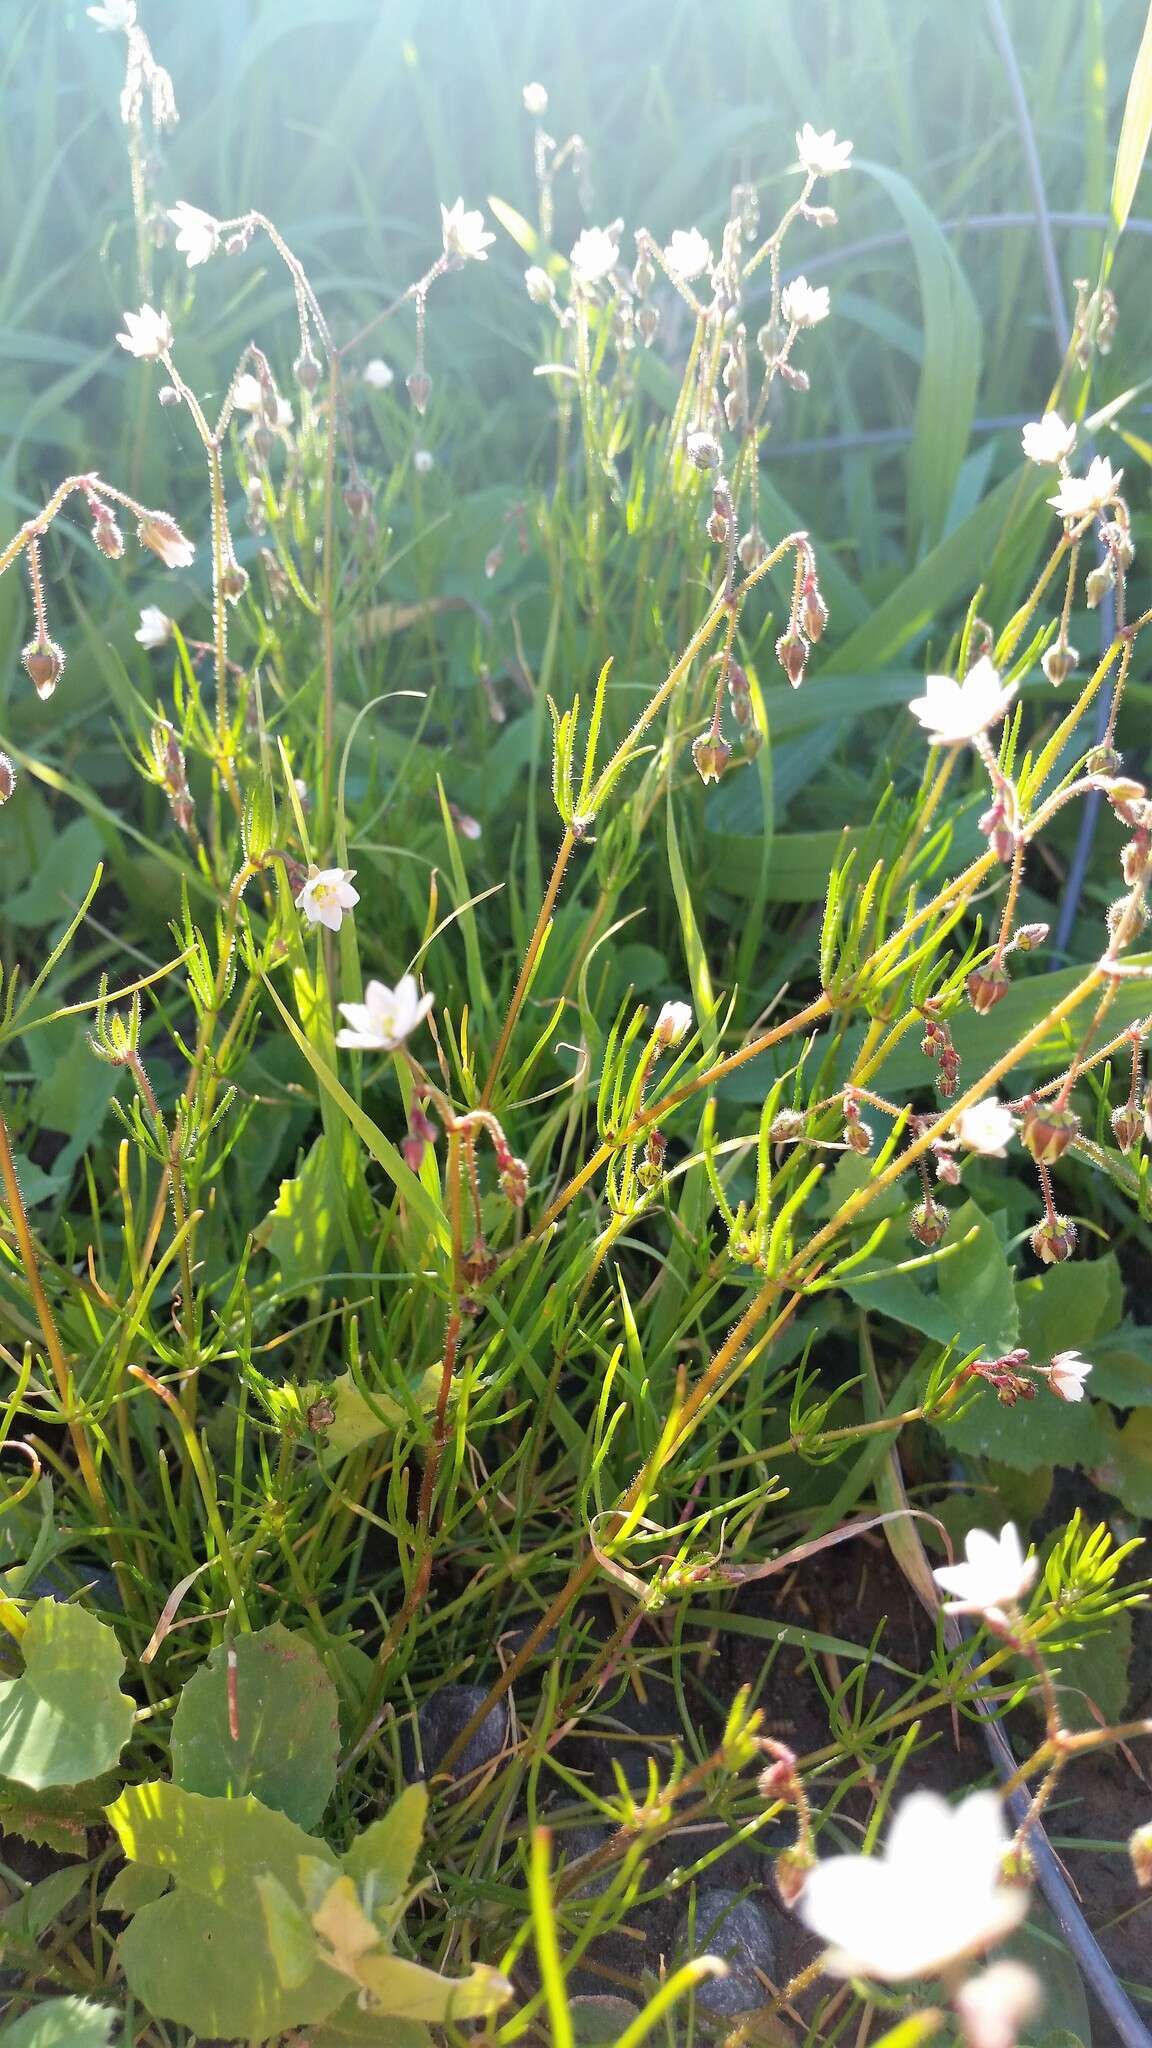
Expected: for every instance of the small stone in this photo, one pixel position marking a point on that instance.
(728, 1924)
(442, 1717)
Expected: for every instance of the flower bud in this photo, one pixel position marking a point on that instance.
(1053, 1242)
(513, 1179)
(1134, 859)
(647, 321)
(703, 449)
(710, 756)
(1099, 581)
(717, 528)
(1127, 1124)
(947, 1169)
(928, 1222)
(1028, 937)
(1103, 761)
(813, 613)
(1140, 1851)
(478, 1264)
(7, 778)
(105, 532)
(673, 1024)
(792, 654)
(44, 662)
(538, 286)
(1059, 662)
(791, 1873)
(233, 581)
(750, 548)
(168, 395)
(307, 370)
(419, 386)
(858, 1137)
(988, 985)
(1047, 1131)
(357, 498)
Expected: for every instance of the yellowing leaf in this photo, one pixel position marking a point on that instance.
(411, 1992)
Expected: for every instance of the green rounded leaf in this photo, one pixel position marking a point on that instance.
(64, 1719)
(61, 2023)
(285, 1716)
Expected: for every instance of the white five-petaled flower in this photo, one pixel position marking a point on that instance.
(935, 1895)
(988, 1127)
(326, 895)
(996, 1574)
(804, 304)
(595, 253)
(1080, 495)
(687, 254)
(197, 233)
(536, 99)
(953, 712)
(822, 155)
(674, 1020)
(1048, 440)
(114, 14)
(465, 236)
(155, 627)
(996, 2005)
(386, 1017)
(148, 333)
(377, 374)
(1067, 1374)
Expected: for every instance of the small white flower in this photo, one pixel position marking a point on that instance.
(156, 531)
(687, 254)
(247, 393)
(988, 1127)
(994, 2006)
(326, 895)
(385, 1018)
(595, 253)
(465, 236)
(535, 99)
(1048, 440)
(803, 304)
(197, 233)
(377, 374)
(148, 334)
(1080, 495)
(155, 627)
(934, 1896)
(822, 155)
(114, 14)
(423, 461)
(538, 285)
(674, 1021)
(953, 712)
(996, 1575)
(1067, 1374)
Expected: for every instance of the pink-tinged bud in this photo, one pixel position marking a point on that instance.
(792, 654)
(813, 613)
(1127, 1124)
(44, 662)
(821, 216)
(948, 1078)
(993, 823)
(798, 379)
(1054, 1241)
(7, 778)
(1134, 859)
(105, 532)
(156, 531)
(236, 244)
(988, 985)
(420, 390)
(514, 1180)
(947, 1169)
(1047, 1131)
(710, 756)
(1140, 1851)
(1058, 663)
(422, 1132)
(790, 1871)
(703, 450)
(858, 1137)
(1029, 936)
(779, 1780)
(928, 1222)
(307, 370)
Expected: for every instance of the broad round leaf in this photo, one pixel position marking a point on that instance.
(284, 1712)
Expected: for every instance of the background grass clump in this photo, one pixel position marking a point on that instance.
(441, 1473)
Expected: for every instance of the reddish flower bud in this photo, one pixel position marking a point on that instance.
(928, 1222)
(813, 612)
(1048, 1130)
(420, 390)
(710, 755)
(44, 662)
(791, 1873)
(987, 986)
(792, 654)
(1053, 1242)
(1059, 662)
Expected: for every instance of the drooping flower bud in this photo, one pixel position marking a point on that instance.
(44, 662)
(987, 985)
(790, 1871)
(710, 756)
(1054, 1240)
(105, 531)
(1103, 761)
(792, 654)
(1047, 1131)
(307, 369)
(419, 386)
(1099, 582)
(928, 1222)
(1059, 662)
(813, 612)
(513, 1178)
(1127, 1124)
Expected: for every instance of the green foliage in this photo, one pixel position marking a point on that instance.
(260, 1716)
(62, 2023)
(65, 1718)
